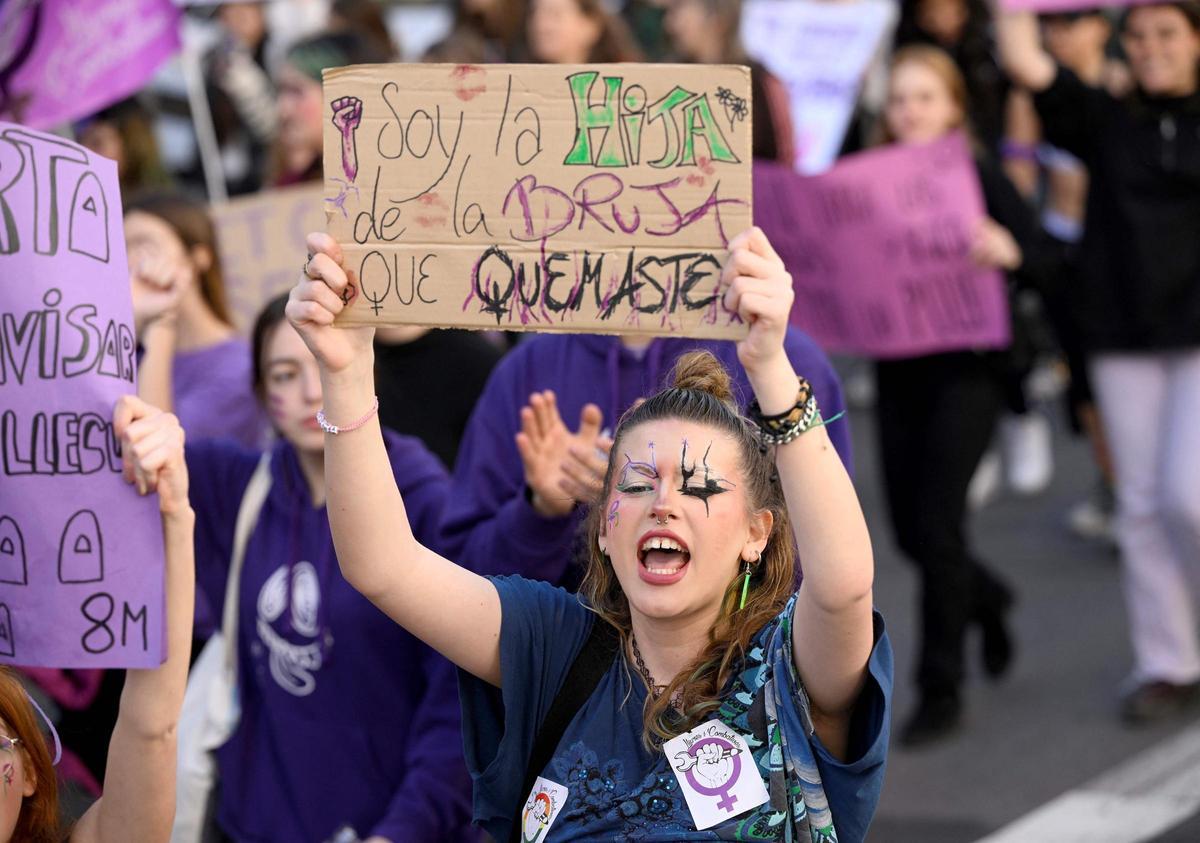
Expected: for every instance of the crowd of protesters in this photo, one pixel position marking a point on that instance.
(354, 572)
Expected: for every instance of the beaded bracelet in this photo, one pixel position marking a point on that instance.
(334, 429)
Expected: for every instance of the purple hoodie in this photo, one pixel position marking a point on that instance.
(346, 718)
(490, 526)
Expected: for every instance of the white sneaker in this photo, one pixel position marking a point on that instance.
(1025, 441)
(985, 483)
(1092, 517)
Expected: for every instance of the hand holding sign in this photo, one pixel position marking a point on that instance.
(994, 247)
(152, 452)
(760, 292)
(321, 294)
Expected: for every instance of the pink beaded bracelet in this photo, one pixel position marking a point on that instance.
(354, 425)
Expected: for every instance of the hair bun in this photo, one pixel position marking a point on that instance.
(703, 372)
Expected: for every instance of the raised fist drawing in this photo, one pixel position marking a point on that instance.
(347, 114)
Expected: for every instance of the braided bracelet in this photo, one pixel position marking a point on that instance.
(334, 429)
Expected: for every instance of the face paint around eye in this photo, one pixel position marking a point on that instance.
(642, 471)
(713, 483)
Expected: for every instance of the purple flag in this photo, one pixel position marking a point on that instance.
(877, 248)
(65, 59)
(81, 555)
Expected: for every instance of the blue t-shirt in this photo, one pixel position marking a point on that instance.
(617, 790)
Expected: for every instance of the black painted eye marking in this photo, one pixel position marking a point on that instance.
(713, 485)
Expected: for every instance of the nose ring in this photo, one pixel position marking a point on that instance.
(662, 522)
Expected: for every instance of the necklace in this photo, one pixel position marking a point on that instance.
(655, 690)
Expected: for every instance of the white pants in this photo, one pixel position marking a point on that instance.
(1150, 406)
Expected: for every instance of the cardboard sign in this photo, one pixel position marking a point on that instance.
(261, 244)
(547, 198)
(878, 251)
(821, 52)
(81, 555)
(65, 59)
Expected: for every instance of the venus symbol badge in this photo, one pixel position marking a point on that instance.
(716, 773)
(541, 810)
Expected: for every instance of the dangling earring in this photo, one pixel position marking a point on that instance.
(746, 580)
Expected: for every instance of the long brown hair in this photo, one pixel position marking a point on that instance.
(701, 393)
(194, 227)
(38, 822)
(940, 62)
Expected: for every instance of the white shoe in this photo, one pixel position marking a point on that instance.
(1026, 443)
(1092, 517)
(985, 483)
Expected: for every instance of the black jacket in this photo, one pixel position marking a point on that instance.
(1140, 257)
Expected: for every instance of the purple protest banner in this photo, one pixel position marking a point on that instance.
(65, 59)
(81, 570)
(877, 248)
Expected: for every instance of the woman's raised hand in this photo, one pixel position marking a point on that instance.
(325, 288)
(760, 292)
(152, 452)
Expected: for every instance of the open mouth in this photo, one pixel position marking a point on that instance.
(663, 557)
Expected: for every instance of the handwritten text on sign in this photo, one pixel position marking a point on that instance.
(80, 553)
(877, 248)
(565, 198)
(259, 238)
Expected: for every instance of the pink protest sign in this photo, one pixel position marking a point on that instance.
(81, 555)
(65, 59)
(877, 248)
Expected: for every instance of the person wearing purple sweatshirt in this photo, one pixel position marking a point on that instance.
(347, 721)
(496, 522)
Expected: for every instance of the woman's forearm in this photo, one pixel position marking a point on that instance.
(139, 780)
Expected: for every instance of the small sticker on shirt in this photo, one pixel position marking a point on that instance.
(716, 773)
(541, 810)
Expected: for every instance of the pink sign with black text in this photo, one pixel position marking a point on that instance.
(81, 555)
(878, 251)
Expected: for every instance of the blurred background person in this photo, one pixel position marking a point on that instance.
(936, 415)
(240, 94)
(193, 363)
(124, 132)
(577, 32)
(296, 157)
(484, 31)
(1056, 181)
(706, 31)
(963, 29)
(1138, 308)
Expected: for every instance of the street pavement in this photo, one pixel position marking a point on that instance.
(1050, 726)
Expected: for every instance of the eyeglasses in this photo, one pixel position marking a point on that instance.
(8, 744)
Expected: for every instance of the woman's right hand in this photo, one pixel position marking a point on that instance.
(321, 294)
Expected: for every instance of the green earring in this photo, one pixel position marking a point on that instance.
(745, 584)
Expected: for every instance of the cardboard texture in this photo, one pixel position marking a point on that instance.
(81, 554)
(878, 249)
(531, 197)
(261, 243)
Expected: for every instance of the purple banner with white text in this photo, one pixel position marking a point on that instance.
(65, 59)
(81, 570)
(878, 251)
